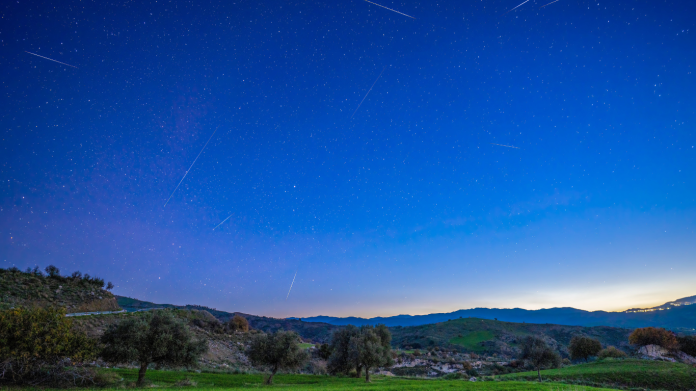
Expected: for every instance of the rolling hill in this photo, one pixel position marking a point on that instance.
(497, 337)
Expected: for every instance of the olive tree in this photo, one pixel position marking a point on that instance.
(371, 348)
(280, 350)
(357, 348)
(154, 337)
(539, 354)
(582, 348)
(341, 361)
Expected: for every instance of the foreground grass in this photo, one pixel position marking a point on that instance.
(209, 381)
(628, 373)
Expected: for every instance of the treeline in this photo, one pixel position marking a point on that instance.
(54, 273)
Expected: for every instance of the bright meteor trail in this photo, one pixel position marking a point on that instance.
(50, 59)
(194, 162)
(392, 9)
(293, 281)
(518, 6)
(228, 217)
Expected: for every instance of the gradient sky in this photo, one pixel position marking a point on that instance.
(405, 207)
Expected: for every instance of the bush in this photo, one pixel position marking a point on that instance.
(611, 352)
(238, 323)
(687, 345)
(52, 271)
(37, 344)
(654, 336)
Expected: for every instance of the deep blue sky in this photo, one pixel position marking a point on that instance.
(407, 207)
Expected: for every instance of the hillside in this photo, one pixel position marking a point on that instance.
(481, 336)
(681, 318)
(628, 373)
(226, 348)
(312, 331)
(76, 293)
(498, 337)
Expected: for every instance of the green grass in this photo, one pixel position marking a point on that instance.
(631, 373)
(306, 345)
(209, 381)
(472, 340)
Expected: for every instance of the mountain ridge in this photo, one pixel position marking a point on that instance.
(679, 318)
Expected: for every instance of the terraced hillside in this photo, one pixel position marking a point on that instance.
(492, 336)
(77, 293)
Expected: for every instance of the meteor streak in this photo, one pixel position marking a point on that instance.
(392, 9)
(187, 171)
(368, 92)
(501, 145)
(293, 281)
(548, 4)
(516, 7)
(50, 59)
(228, 217)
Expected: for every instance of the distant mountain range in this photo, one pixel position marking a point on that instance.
(676, 315)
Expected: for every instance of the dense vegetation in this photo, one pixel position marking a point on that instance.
(76, 293)
(39, 345)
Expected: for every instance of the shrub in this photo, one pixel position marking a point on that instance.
(238, 323)
(37, 343)
(52, 271)
(582, 348)
(611, 352)
(154, 337)
(654, 336)
(687, 345)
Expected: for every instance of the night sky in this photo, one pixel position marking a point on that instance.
(403, 205)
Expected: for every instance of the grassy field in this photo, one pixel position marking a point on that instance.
(630, 373)
(306, 345)
(472, 341)
(205, 381)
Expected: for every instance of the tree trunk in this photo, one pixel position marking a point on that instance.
(367, 374)
(270, 378)
(539, 373)
(358, 369)
(141, 373)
